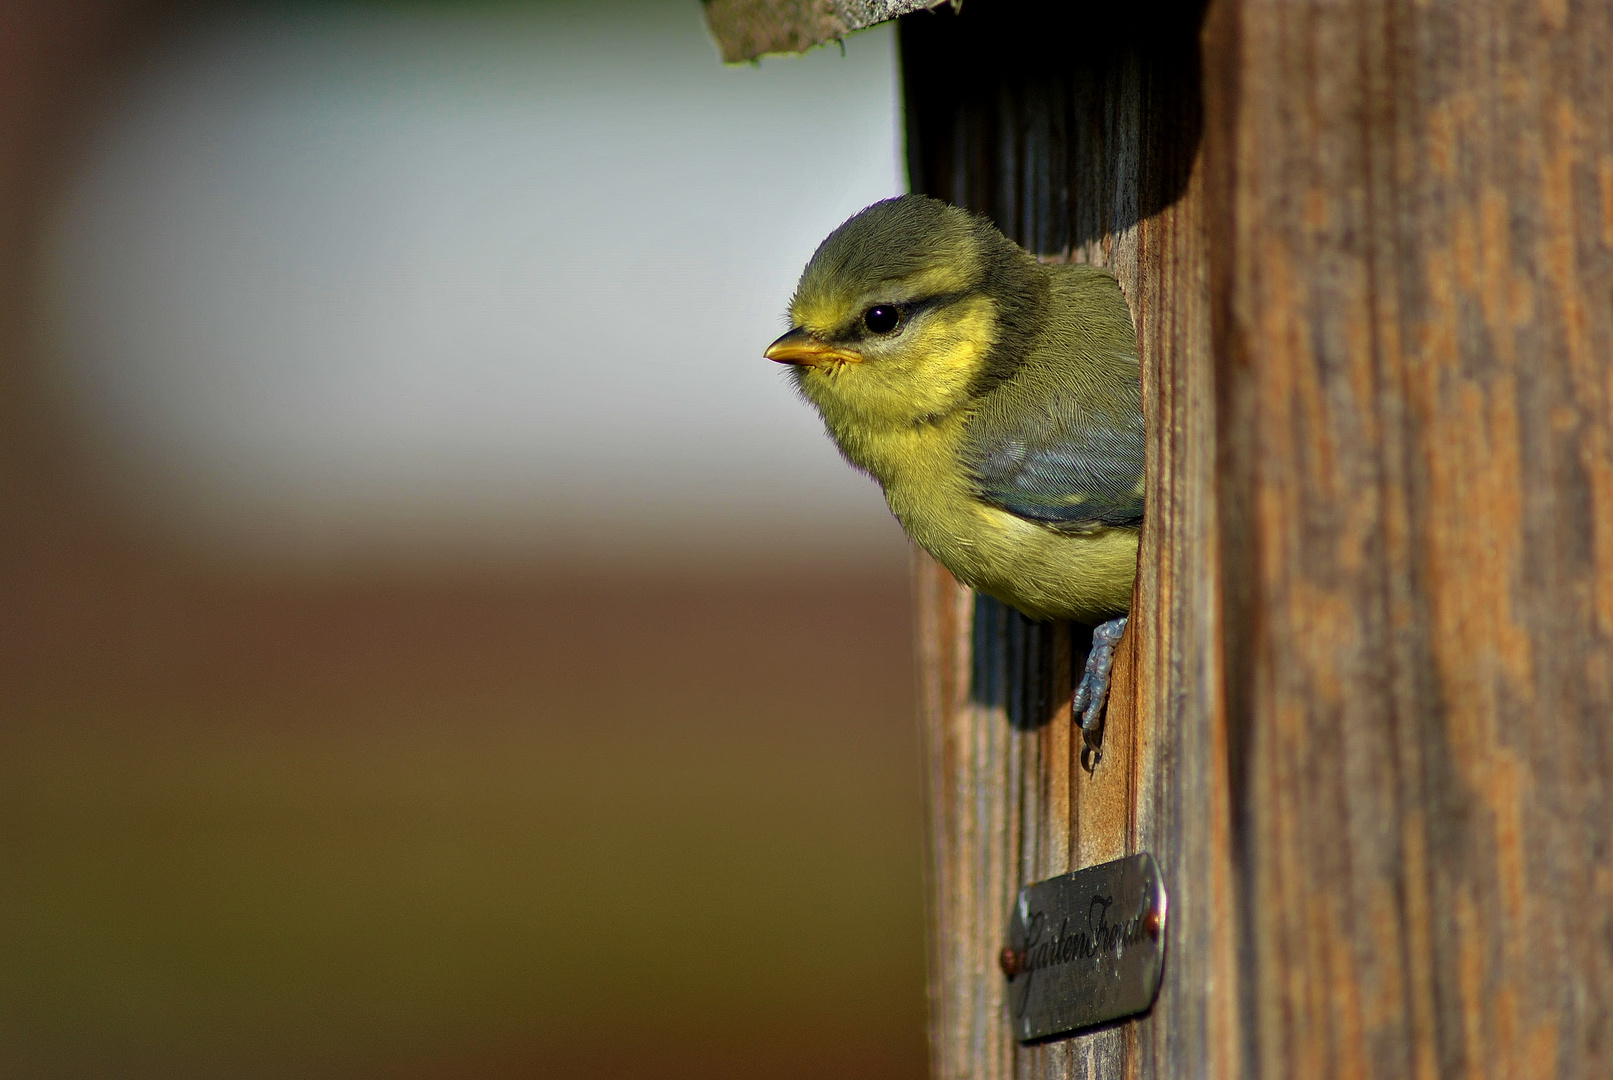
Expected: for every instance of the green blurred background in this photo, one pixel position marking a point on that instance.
(435, 644)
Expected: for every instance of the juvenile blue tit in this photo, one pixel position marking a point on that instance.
(997, 401)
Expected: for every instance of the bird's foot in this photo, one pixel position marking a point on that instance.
(1092, 693)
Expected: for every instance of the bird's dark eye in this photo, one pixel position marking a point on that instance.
(882, 318)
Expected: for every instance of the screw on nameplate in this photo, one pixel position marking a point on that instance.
(1085, 948)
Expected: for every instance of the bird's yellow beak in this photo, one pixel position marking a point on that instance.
(800, 347)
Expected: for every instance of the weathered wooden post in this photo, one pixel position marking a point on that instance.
(1078, 133)
(1412, 265)
(1364, 710)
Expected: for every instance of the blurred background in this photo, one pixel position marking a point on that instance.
(433, 642)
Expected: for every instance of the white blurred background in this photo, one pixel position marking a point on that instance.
(434, 643)
(338, 278)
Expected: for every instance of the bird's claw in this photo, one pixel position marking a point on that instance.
(1092, 693)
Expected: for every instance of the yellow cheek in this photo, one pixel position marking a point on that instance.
(928, 376)
(942, 379)
(950, 357)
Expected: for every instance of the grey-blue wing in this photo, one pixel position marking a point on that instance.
(1069, 456)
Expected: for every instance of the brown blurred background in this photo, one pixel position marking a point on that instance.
(563, 728)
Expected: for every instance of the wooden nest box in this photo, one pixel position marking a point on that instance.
(1363, 715)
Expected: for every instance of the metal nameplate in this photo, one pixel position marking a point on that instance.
(1085, 948)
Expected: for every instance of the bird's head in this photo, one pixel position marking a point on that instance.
(907, 311)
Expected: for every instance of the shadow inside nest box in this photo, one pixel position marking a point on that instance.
(1063, 123)
(1016, 662)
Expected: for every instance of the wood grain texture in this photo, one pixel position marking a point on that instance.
(1079, 138)
(1364, 711)
(1414, 301)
